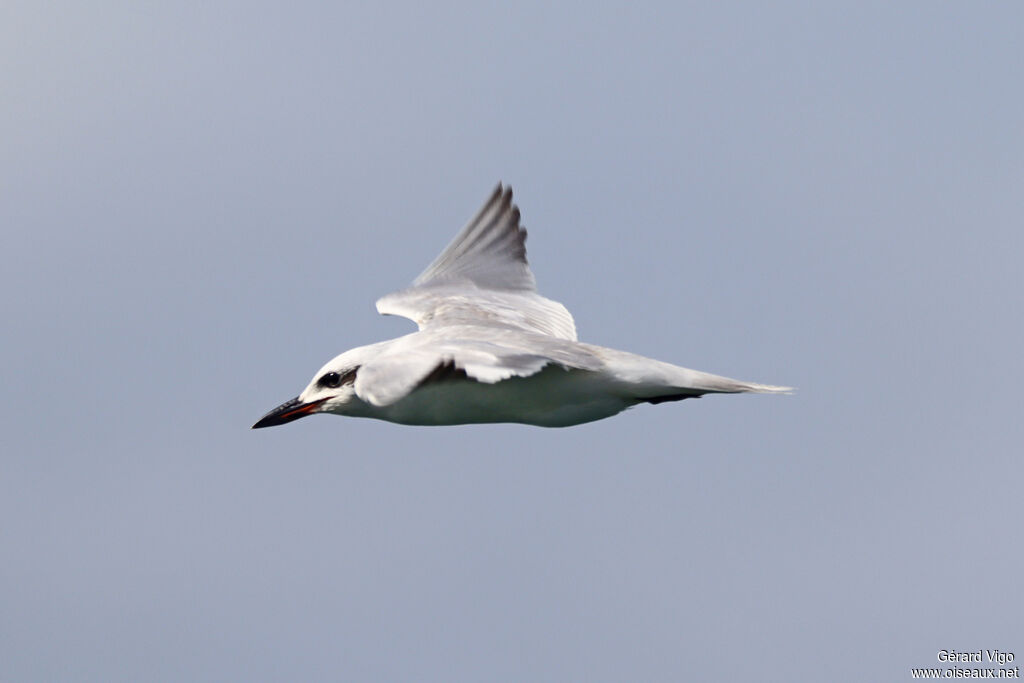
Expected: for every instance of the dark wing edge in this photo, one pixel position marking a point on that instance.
(490, 251)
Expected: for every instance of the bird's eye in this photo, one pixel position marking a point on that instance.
(331, 380)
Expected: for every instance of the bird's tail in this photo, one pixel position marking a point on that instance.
(706, 383)
(755, 388)
(656, 382)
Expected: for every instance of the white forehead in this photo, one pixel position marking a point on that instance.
(341, 364)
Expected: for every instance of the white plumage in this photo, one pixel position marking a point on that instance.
(491, 349)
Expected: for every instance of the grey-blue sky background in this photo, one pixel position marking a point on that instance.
(201, 201)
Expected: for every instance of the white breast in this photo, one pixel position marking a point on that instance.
(554, 397)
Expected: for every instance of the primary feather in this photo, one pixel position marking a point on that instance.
(482, 278)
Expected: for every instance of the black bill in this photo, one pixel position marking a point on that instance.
(288, 411)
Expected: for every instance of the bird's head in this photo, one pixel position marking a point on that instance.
(331, 390)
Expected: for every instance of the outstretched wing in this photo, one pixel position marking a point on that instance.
(490, 251)
(482, 278)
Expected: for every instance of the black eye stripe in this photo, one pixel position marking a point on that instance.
(330, 380)
(333, 380)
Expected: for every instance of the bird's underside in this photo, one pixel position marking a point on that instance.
(555, 396)
(491, 349)
(552, 397)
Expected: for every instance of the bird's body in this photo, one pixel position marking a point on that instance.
(490, 349)
(552, 397)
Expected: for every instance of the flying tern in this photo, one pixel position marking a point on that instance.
(491, 349)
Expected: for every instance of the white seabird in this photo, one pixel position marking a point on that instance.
(491, 349)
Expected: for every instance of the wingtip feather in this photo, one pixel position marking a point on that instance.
(769, 389)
